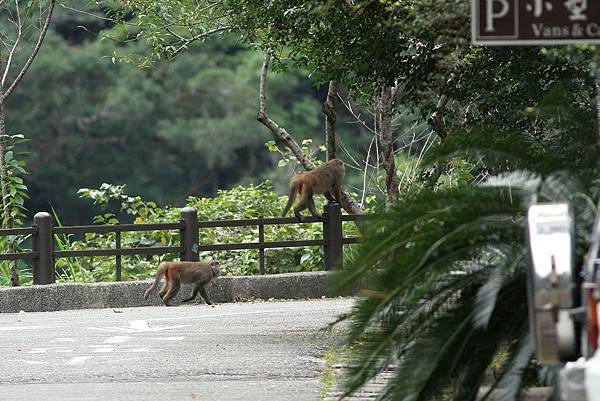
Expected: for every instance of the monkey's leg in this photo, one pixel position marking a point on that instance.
(171, 293)
(303, 204)
(313, 208)
(197, 287)
(329, 196)
(163, 290)
(205, 295)
(337, 194)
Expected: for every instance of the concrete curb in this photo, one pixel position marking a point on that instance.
(53, 297)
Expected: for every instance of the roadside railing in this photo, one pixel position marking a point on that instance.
(43, 254)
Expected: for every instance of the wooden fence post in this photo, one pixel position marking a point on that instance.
(261, 250)
(189, 234)
(332, 235)
(43, 246)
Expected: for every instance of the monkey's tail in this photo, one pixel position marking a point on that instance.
(160, 272)
(291, 198)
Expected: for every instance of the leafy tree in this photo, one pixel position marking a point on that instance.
(159, 131)
(423, 61)
(21, 21)
(443, 272)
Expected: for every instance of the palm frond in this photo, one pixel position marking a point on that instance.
(513, 259)
(510, 383)
(442, 287)
(509, 150)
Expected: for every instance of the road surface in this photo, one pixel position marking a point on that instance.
(266, 351)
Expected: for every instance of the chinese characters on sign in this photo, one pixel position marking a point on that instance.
(544, 22)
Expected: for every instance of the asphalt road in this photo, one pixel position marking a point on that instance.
(267, 351)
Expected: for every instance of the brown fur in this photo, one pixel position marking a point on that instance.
(325, 179)
(176, 273)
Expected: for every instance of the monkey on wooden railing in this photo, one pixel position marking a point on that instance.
(325, 179)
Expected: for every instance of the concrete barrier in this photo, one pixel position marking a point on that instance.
(53, 297)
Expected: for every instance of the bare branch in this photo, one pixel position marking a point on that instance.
(11, 52)
(34, 53)
(387, 144)
(348, 203)
(188, 41)
(357, 116)
(279, 132)
(436, 120)
(100, 17)
(209, 6)
(328, 108)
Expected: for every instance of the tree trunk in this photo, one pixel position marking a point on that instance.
(6, 220)
(386, 140)
(348, 203)
(328, 108)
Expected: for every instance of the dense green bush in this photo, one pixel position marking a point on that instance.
(241, 202)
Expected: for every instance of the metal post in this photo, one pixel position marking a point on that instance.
(43, 264)
(189, 234)
(261, 250)
(332, 235)
(597, 82)
(118, 256)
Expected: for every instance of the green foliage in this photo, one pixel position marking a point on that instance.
(443, 285)
(240, 202)
(16, 189)
(132, 205)
(287, 157)
(187, 128)
(17, 194)
(167, 27)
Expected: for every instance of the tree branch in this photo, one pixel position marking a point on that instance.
(436, 120)
(328, 108)
(34, 53)
(348, 203)
(386, 138)
(190, 40)
(11, 52)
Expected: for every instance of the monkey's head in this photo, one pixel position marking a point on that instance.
(214, 266)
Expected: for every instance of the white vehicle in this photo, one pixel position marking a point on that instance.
(563, 300)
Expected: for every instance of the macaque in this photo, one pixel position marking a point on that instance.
(176, 273)
(325, 179)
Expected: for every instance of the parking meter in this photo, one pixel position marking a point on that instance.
(553, 290)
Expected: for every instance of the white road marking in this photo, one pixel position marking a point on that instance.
(28, 362)
(38, 350)
(139, 350)
(16, 328)
(62, 340)
(166, 338)
(104, 350)
(64, 351)
(270, 312)
(117, 339)
(139, 326)
(77, 360)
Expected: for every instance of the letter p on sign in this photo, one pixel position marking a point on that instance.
(495, 9)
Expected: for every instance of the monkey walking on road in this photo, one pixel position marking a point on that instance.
(176, 273)
(325, 179)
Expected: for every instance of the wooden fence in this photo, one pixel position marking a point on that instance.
(43, 254)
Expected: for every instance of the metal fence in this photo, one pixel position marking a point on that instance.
(42, 233)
